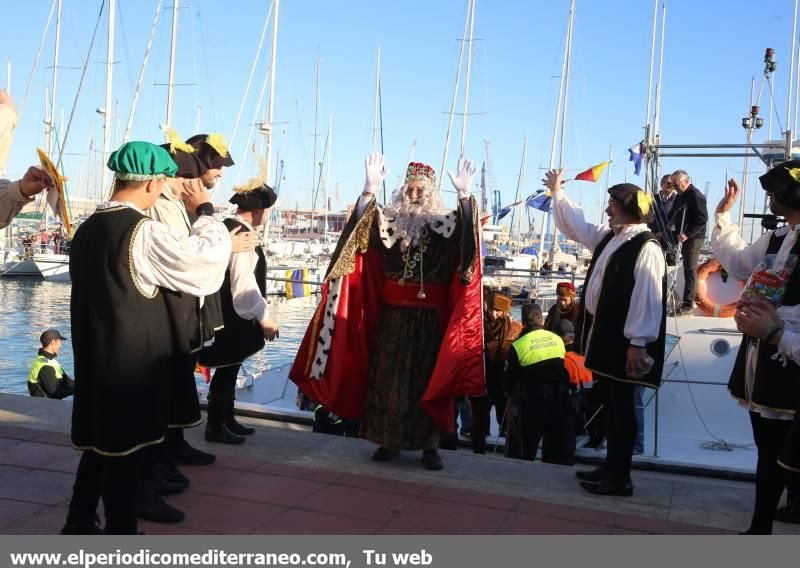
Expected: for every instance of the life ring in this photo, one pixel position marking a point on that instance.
(706, 304)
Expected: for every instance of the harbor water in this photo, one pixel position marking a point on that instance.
(29, 306)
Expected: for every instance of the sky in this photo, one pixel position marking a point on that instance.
(712, 50)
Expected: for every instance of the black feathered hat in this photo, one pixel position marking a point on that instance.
(212, 150)
(262, 197)
(634, 200)
(783, 181)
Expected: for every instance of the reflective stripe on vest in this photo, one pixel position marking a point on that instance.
(538, 346)
(42, 361)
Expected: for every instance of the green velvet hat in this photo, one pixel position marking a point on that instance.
(141, 161)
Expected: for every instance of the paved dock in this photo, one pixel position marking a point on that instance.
(288, 480)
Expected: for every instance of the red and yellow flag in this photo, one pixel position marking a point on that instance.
(593, 173)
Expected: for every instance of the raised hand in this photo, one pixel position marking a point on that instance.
(34, 181)
(731, 194)
(376, 173)
(462, 181)
(554, 179)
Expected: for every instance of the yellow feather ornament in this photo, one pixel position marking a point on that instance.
(255, 182)
(795, 173)
(176, 143)
(217, 141)
(644, 201)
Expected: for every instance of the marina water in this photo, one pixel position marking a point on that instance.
(29, 306)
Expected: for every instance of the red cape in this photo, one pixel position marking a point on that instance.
(343, 386)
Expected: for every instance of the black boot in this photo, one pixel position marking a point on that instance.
(432, 460)
(151, 507)
(593, 475)
(79, 522)
(184, 454)
(233, 425)
(168, 478)
(216, 431)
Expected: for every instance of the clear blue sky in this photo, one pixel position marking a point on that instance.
(713, 47)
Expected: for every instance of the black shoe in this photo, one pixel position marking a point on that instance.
(151, 507)
(221, 435)
(169, 480)
(606, 487)
(755, 531)
(81, 523)
(384, 454)
(432, 460)
(591, 475)
(184, 454)
(788, 515)
(237, 428)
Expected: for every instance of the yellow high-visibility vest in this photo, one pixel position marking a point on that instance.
(538, 346)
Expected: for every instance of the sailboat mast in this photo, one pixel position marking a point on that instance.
(455, 96)
(52, 122)
(568, 59)
(520, 183)
(466, 89)
(552, 163)
(271, 107)
(652, 60)
(109, 77)
(328, 176)
(316, 134)
(791, 67)
(748, 140)
(377, 97)
(171, 82)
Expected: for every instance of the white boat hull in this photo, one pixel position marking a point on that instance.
(20, 268)
(53, 267)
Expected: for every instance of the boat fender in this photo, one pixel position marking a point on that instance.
(705, 304)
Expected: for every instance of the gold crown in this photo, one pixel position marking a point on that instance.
(418, 170)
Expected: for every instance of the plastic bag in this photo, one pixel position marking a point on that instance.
(768, 280)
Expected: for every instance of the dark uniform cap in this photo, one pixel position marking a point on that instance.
(51, 335)
(784, 182)
(563, 328)
(262, 197)
(628, 195)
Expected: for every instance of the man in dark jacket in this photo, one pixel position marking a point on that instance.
(47, 379)
(663, 226)
(690, 214)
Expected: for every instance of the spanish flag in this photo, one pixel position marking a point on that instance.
(593, 174)
(296, 288)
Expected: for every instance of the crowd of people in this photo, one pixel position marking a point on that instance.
(404, 329)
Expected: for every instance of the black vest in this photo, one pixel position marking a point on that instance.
(775, 387)
(133, 365)
(601, 338)
(239, 338)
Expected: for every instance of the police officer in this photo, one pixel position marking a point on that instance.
(47, 378)
(540, 398)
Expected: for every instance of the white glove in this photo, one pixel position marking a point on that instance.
(462, 181)
(376, 173)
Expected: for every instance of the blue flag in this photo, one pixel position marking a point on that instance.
(636, 156)
(541, 200)
(506, 210)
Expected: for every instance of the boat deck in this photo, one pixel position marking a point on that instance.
(287, 480)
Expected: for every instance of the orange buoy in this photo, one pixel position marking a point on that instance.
(706, 304)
